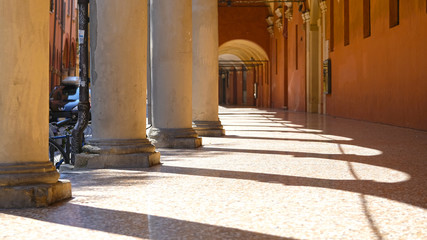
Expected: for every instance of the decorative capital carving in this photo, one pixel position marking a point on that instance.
(323, 7)
(269, 20)
(278, 12)
(306, 17)
(288, 12)
(270, 30)
(279, 24)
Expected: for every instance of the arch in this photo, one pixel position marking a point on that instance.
(243, 73)
(73, 55)
(65, 55)
(243, 49)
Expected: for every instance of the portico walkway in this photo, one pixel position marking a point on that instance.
(275, 175)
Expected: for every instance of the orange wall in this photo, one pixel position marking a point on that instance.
(296, 77)
(244, 23)
(382, 78)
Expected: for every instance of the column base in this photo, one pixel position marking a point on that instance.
(123, 153)
(38, 195)
(209, 128)
(31, 184)
(175, 137)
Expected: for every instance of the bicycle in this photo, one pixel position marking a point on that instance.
(57, 155)
(60, 141)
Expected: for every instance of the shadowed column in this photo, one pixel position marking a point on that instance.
(172, 75)
(118, 66)
(205, 68)
(27, 178)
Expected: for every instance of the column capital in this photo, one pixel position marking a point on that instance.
(288, 14)
(279, 24)
(270, 30)
(323, 7)
(306, 17)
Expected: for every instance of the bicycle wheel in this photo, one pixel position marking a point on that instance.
(57, 154)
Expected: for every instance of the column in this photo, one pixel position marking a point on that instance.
(27, 178)
(325, 53)
(205, 68)
(306, 20)
(172, 75)
(118, 39)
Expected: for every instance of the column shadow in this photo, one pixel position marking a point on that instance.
(134, 224)
(408, 192)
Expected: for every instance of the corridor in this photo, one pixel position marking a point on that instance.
(275, 175)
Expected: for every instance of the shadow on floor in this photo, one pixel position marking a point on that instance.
(135, 224)
(406, 192)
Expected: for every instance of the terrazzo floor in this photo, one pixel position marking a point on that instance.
(275, 175)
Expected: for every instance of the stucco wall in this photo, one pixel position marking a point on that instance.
(244, 23)
(382, 78)
(296, 76)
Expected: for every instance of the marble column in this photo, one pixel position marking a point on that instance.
(205, 68)
(172, 75)
(118, 38)
(27, 178)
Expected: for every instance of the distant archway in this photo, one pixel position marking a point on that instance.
(243, 49)
(244, 74)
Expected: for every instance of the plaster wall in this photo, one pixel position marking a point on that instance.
(296, 63)
(244, 23)
(381, 78)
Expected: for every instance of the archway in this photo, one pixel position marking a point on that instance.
(65, 63)
(244, 74)
(72, 57)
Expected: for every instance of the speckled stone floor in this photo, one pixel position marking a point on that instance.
(275, 175)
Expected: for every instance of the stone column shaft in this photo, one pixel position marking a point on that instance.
(119, 75)
(27, 178)
(172, 75)
(205, 68)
